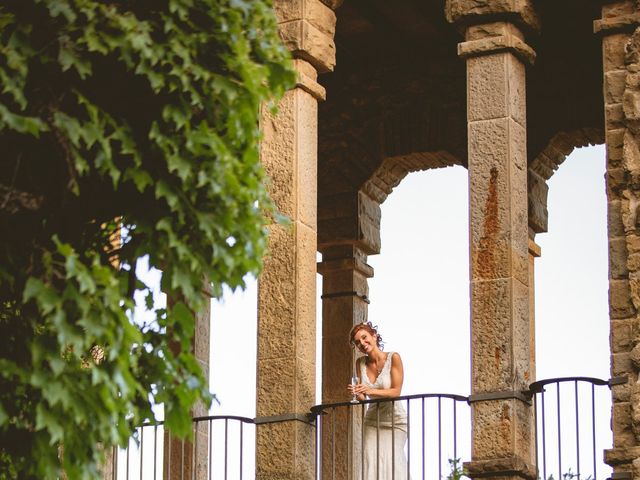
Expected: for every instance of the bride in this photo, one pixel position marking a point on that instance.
(380, 375)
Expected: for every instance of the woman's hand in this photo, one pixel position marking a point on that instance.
(361, 391)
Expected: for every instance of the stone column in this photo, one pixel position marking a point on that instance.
(350, 232)
(179, 458)
(496, 56)
(621, 64)
(344, 303)
(286, 288)
(534, 252)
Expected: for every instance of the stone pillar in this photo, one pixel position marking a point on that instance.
(344, 303)
(496, 56)
(286, 288)
(534, 252)
(621, 64)
(350, 231)
(179, 458)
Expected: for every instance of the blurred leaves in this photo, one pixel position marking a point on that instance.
(128, 128)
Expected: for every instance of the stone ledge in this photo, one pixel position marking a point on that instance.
(342, 264)
(312, 87)
(501, 43)
(510, 466)
(467, 12)
(621, 455)
(616, 24)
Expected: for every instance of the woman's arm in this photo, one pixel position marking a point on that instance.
(397, 377)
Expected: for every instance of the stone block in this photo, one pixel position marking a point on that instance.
(537, 202)
(277, 152)
(614, 83)
(616, 181)
(493, 432)
(305, 322)
(480, 11)
(275, 386)
(495, 88)
(621, 425)
(615, 144)
(621, 364)
(618, 8)
(305, 387)
(613, 51)
(499, 335)
(498, 199)
(277, 295)
(621, 393)
(614, 116)
(309, 43)
(615, 228)
(620, 305)
(315, 12)
(369, 224)
(618, 258)
(621, 335)
(306, 157)
(633, 261)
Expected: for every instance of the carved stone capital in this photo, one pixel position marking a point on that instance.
(495, 44)
(473, 12)
(307, 28)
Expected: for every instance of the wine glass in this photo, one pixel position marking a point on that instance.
(354, 382)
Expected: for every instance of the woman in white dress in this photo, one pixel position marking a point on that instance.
(380, 375)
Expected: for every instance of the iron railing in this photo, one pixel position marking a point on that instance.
(432, 444)
(571, 430)
(572, 426)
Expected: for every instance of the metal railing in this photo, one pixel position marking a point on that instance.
(432, 433)
(572, 426)
(222, 447)
(572, 418)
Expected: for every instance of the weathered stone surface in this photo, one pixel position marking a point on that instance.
(498, 183)
(622, 333)
(499, 321)
(494, 467)
(281, 449)
(494, 86)
(621, 364)
(618, 258)
(615, 228)
(613, 51)
(309, 43)
(614, 86)
(620, 305)
(307, 28)
(615, 143)
(497, 44)
(477, 11)
(537, 202)
(621, 425)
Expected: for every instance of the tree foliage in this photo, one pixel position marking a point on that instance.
(127, 128)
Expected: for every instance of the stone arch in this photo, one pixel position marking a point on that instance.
(544, 166)
(393, 169)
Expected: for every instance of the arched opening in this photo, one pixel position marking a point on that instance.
(420, 301)
(572, 316)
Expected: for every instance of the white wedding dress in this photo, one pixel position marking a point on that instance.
(381, 460)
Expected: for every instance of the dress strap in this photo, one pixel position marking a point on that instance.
(387, 362)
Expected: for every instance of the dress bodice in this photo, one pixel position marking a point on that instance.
(380, 413)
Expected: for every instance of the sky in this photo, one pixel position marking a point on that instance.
(420, 291)
(420, 294)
